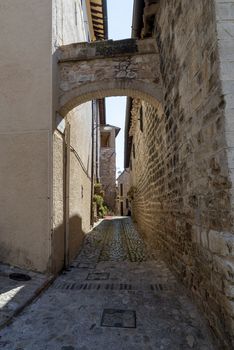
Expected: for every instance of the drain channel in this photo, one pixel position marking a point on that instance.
(113, 286)
(20, 277)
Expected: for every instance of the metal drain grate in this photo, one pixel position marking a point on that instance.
(118, 318)
(98, 276)
(112, 286)
(85, 266)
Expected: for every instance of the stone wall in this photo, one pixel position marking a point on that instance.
(107, 175)
(108, 68)
(182, 200)
(225, 31)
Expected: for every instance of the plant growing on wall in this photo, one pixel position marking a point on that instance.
(98, 189)
(102, 209)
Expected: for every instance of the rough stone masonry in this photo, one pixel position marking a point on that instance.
(110, 68)
(182, 160)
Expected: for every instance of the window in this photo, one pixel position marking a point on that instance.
(141, 119)
(127, 205)
(133, 150)
(121, 209)
(105, 139)
(121, 189)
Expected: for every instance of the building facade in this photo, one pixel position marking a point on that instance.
(46, 173)
(123, 201)
(108, 164)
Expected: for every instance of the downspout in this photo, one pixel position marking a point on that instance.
(67, 192)
(92, 166)
(105, 18)
(127, 139)
(137, 20)
(97, 146)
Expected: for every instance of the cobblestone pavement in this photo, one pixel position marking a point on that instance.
(117, 296)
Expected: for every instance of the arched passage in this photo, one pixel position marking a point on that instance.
(97, 90)
(92, 71)
(184, 196)
(112, 68)
(77, 98)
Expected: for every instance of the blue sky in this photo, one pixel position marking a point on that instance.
(119, 26)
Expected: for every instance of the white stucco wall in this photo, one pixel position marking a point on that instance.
(25, 141)
(68, 22)
(30, 32)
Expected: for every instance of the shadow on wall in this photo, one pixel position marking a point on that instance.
(76, 236)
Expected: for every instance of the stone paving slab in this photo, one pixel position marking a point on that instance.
(71, 319)
(95, 317)
(15, 295)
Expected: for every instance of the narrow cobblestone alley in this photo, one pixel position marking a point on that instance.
(115, 295)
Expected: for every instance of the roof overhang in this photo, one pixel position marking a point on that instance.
(117, 129)
(97, 15)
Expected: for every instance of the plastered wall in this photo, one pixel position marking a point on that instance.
(25, 151)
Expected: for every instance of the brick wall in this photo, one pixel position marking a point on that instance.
(182, 200)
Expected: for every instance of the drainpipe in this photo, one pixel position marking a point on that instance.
(127, 139)
(137, 20)
(105, 18)
(92, 164)
(100, 119)
(97, 146)
(67, 192)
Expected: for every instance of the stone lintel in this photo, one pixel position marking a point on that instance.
(106, 49)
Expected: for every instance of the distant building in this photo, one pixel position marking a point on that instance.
(123, 201)
(108, 164)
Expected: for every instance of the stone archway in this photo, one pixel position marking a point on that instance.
(111, 68)
(92, 71)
